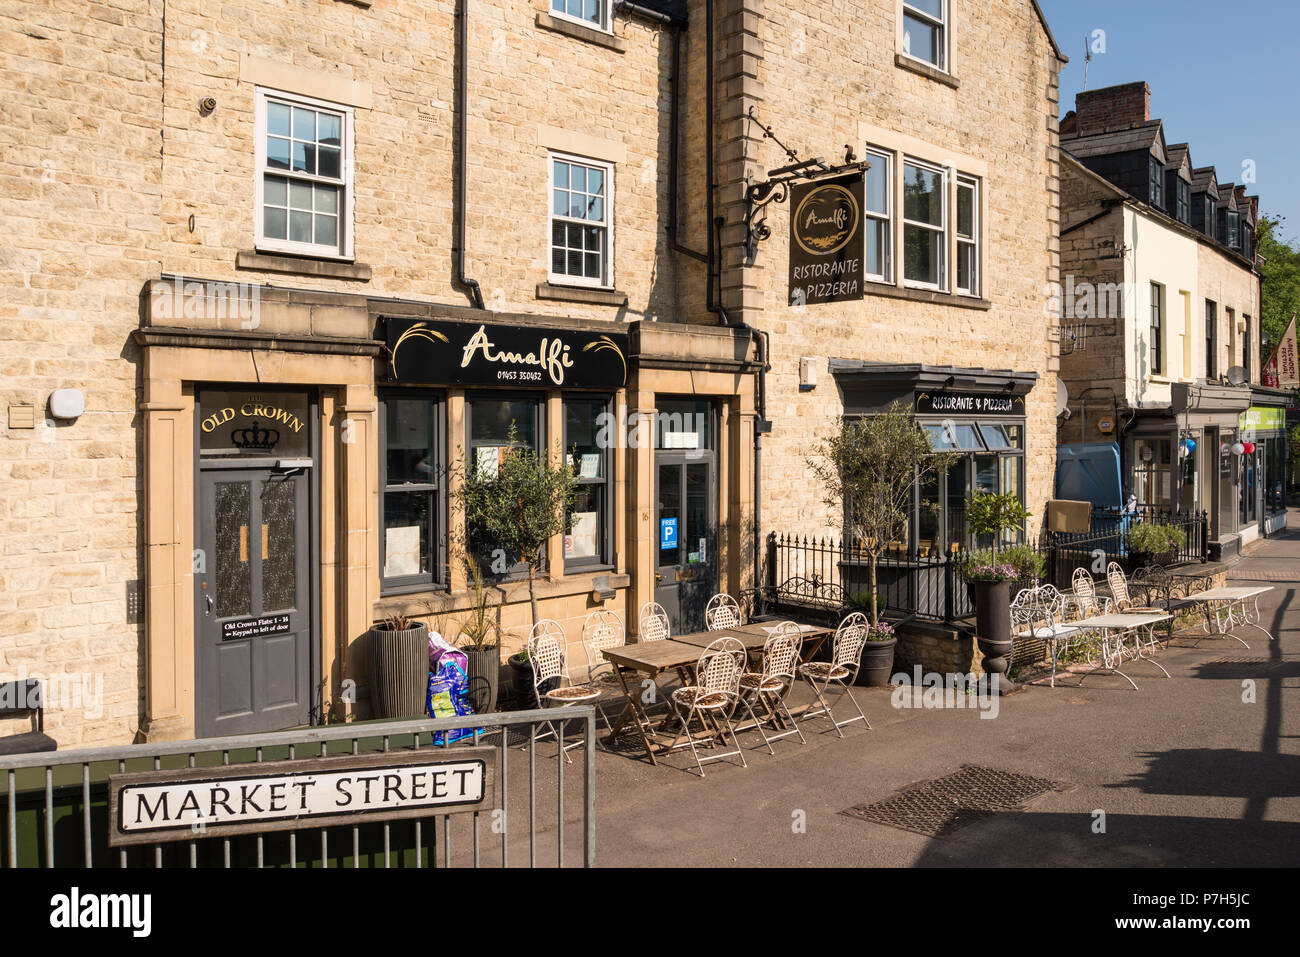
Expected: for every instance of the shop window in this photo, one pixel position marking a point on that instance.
(1153, 471)
(581, 214)
(588, 533)
(304, 176)
(993, 463)
(592, 13)
(497, 424)
(925, 31)
(412, 547)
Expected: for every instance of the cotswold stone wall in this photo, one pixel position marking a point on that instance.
(816, 73)
(80, 195)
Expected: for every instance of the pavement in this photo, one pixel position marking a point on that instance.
(1199, 769)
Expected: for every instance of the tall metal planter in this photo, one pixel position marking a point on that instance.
(399, 671)
(484, 677)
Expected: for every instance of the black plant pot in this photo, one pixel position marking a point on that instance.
(525, 693)
(399, 671)
(1140, 559)
(877, 663)
(992, 602)
(484, 677)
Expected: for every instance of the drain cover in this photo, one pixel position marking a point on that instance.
(940, 807)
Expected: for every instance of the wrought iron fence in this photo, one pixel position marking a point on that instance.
(825, 577)
(56, 804)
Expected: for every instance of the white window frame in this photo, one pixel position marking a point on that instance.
(343, 251)
(872, 155)
(945, 175)
(972, 183)
(944, 26)
(607, 260)
(606, 24)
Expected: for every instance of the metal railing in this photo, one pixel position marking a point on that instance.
(56, 803)
(825, 577)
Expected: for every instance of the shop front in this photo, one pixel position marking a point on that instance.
(977, 413)
(302, 474)
(1265, 457)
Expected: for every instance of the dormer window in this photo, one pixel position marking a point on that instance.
(1234, 230)
(1210, 218)
(1183, 201)
(1157, 185)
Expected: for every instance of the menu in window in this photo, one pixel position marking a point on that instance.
(582, 537)
(590, 466)
(487, 458)
(402, 551)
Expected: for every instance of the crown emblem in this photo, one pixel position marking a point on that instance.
(255, 438)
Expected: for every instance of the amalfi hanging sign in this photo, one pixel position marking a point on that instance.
(826, 241)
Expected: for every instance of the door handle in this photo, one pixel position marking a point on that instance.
(208, 599)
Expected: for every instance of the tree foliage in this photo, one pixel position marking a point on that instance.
(868, 468)
(1281, 279)
(512, 514)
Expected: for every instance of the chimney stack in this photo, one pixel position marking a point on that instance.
(1113, 108)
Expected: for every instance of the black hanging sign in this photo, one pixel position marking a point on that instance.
(430, 351)
(826, 240)
(968, 403)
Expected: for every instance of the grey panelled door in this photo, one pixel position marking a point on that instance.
(252, 602)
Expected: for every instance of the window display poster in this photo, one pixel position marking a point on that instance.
(487, 458)
(402, 551)
(581, 540)
(590, 466)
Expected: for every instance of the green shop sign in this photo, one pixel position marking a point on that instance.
(1263, 418)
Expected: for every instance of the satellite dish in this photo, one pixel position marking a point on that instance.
(1062, 397)
(1236, 375)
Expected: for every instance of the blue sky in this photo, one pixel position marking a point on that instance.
(1222, 77)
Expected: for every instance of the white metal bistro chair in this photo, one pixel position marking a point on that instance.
(603, 629)
(722, 611)
(767, 687)
(548, 653)
(1123, 601)
(841, 671)
(713, 699)
(653, 622)
(1085, 600)
(1036, 616)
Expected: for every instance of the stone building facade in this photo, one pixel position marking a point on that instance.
(222, 219)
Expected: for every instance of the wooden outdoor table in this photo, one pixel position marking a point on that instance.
(754, 635)
(1228, 605)
(651, 658)
(1115, 629)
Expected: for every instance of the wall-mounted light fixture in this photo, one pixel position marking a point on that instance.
(67, 403)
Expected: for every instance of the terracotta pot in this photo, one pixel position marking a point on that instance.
(399, 671)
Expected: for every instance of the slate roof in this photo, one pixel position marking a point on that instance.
(1143, 136)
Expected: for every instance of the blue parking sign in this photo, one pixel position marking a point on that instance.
(667, 533)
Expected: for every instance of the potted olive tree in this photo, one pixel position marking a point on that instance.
(868, 468)
(399, 667)
(510, 515)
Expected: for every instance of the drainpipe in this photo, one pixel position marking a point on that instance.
(714, 294)
(760, 427)
(463, 282)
